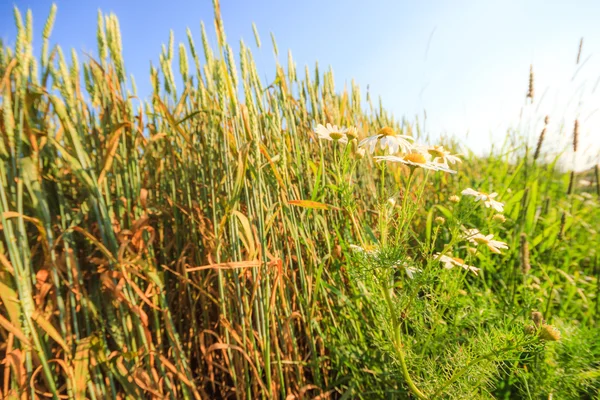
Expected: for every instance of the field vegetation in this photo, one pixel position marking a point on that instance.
(233, 238)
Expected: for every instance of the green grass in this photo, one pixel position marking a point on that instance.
(197, 245)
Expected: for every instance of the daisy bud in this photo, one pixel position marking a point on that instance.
(454, 198)
(352, 133)
(499, 218)
(337, 251)
(549, 333)
(472, 250)
(537, 318)
(360, 153)
(530, 329)
(440, 220)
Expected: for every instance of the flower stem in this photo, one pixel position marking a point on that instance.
(397, 342)
(382, 211)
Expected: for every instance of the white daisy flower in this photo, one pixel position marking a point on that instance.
(360, 153)
(477, 238)
(387, 138)
(369, 250)
(356, 248)
(451, 262)
(415, 160)
(411, 271)
(488, 199)
(442, 156)
(331, 132)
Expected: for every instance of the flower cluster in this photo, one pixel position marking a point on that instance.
(400, 148)
(474, 236)
(403, 150)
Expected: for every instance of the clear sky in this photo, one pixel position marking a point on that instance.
(464, 63)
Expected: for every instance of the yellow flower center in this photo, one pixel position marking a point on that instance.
(436, 152)
(386, 131)
(480, 239)
(415, 158)
(336, 135)
(458, 260)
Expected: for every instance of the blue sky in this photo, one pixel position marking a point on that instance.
(465, 63)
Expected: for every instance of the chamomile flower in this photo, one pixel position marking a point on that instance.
(351, 133)
(416, 160)
(410, 270)
(367, 250)
(360, 153)
(387, 138)
(442, 156)
(356, 248)
(477, 238)
(332, 132)
(451, 262)
(488, 199)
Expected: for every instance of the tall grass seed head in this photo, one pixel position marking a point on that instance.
(524, 255)
(576, 135)
(531, 90)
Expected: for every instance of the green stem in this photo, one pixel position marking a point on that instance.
(397, 342)
(382, 210)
